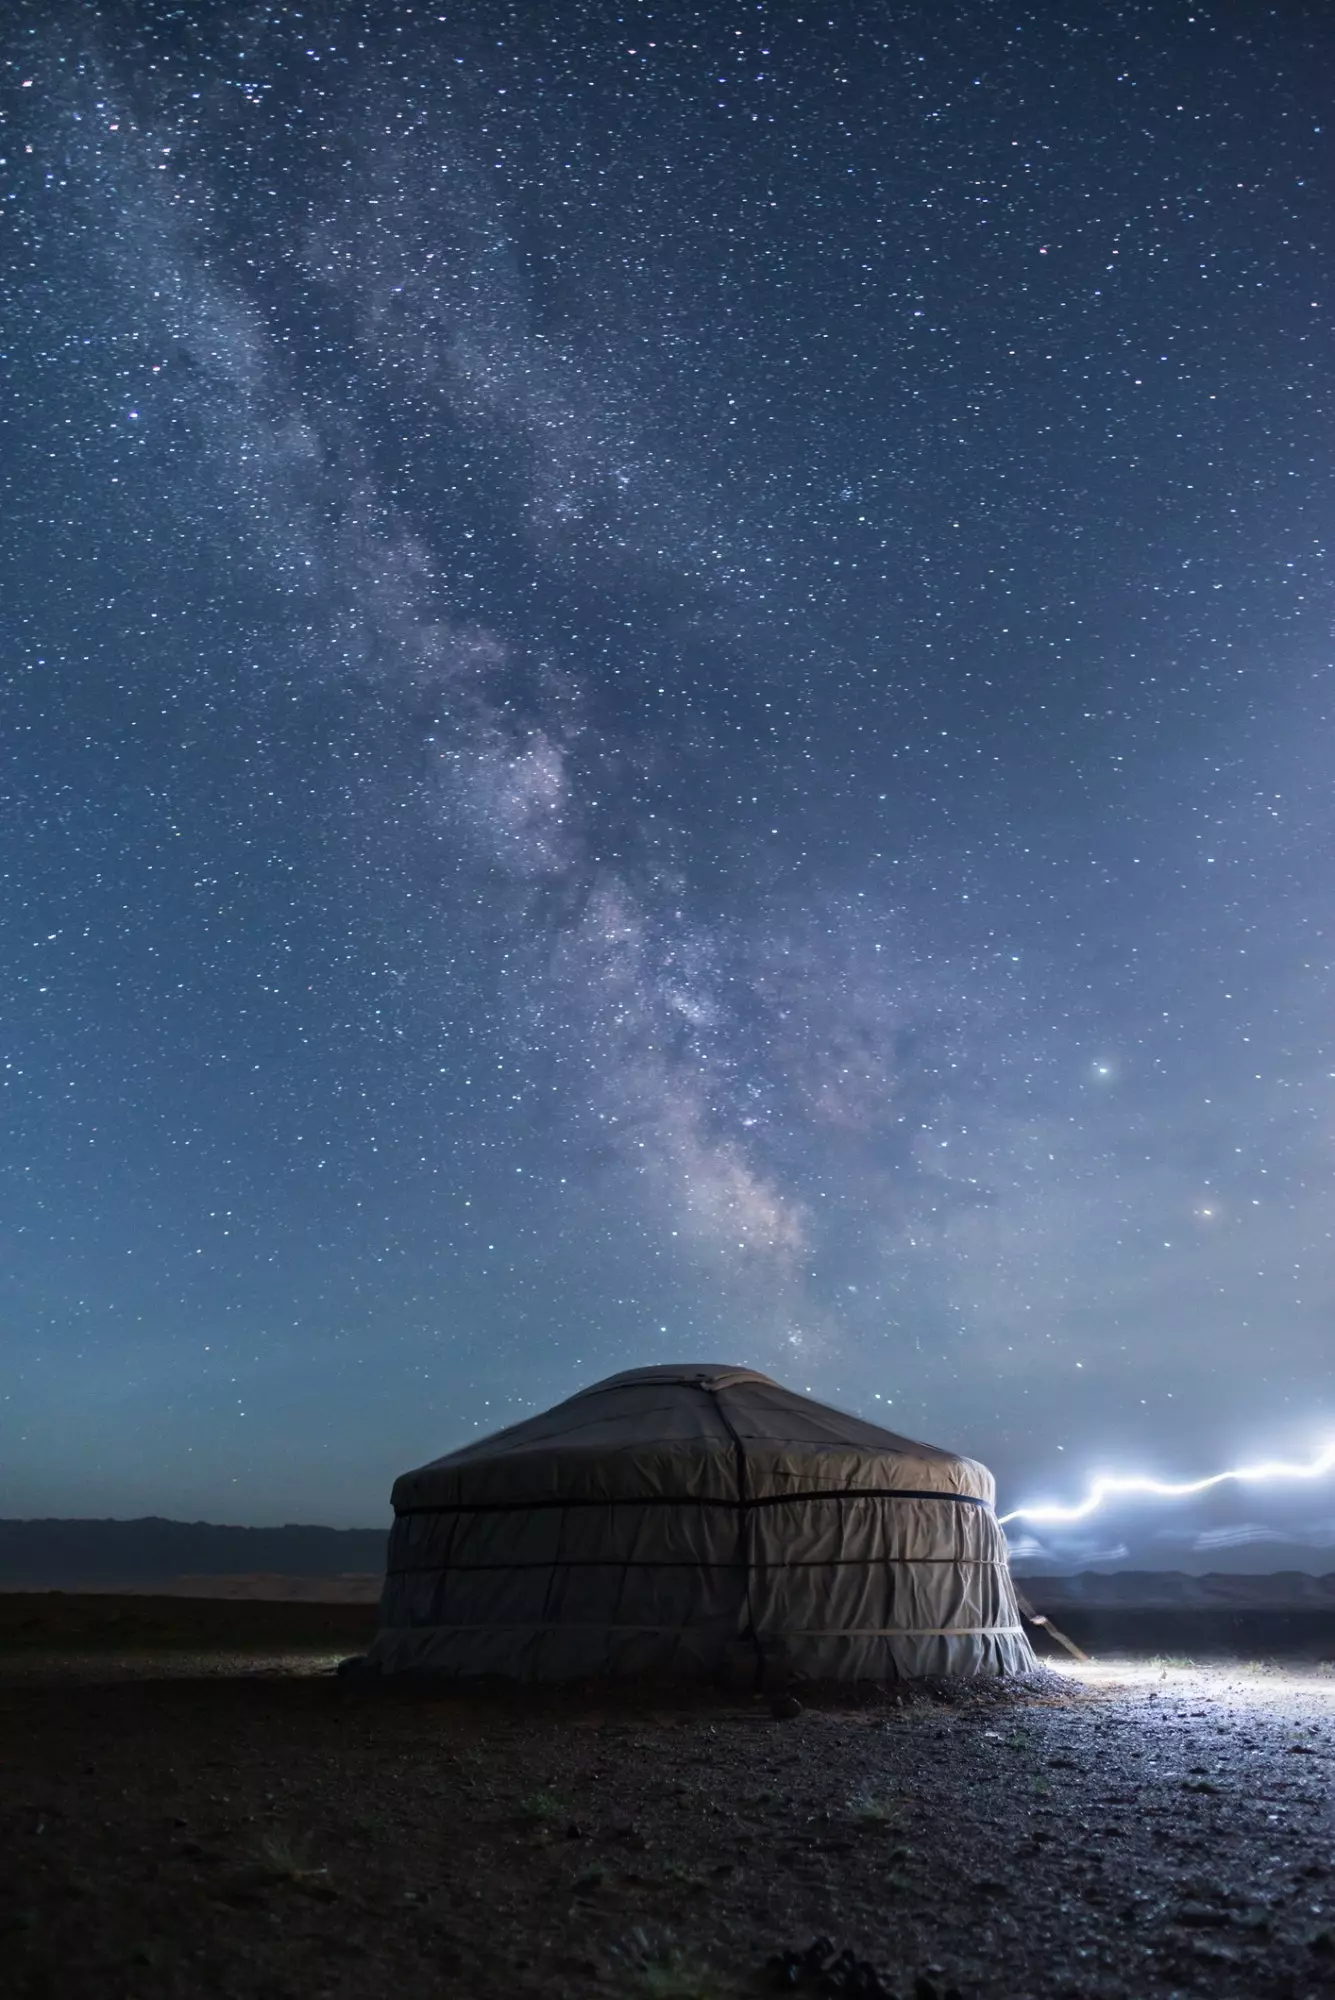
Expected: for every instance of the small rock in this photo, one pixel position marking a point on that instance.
(821, 1970)
(1201, 1917)
(785, 1707)
(1214, 1954)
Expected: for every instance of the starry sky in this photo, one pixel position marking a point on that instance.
(666, 695)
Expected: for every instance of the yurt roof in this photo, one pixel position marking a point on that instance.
(678, 1432)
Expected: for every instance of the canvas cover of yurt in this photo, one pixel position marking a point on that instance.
(686, 1520)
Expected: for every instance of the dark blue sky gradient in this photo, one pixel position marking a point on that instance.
(666, 694)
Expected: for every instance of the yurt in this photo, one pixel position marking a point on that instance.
(690, 1520)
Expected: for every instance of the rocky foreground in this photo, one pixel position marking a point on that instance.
(187, 1823)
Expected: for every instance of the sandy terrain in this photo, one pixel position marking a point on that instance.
(181, 1818)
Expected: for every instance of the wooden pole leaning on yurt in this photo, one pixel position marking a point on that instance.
(1038, 1618)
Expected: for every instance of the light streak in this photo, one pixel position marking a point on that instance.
(1104, 1490)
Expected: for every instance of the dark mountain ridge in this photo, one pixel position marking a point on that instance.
(74, 1555)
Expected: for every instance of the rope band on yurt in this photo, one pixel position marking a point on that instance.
(750, 1503)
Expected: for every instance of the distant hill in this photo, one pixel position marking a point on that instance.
(1174, 1590)
(101, 1555)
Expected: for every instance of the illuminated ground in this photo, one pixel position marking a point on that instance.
(1271, 1685)
(1133, 1829)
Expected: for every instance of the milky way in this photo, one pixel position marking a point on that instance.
(666, 695)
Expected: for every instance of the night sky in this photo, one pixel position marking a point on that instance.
(666, 695)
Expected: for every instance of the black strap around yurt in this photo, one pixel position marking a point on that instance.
(746, 1503)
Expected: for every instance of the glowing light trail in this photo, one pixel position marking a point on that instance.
(1109, 1489)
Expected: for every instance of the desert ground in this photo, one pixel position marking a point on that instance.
(193, 1802)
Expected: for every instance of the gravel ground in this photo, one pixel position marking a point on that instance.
(263, 1829)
